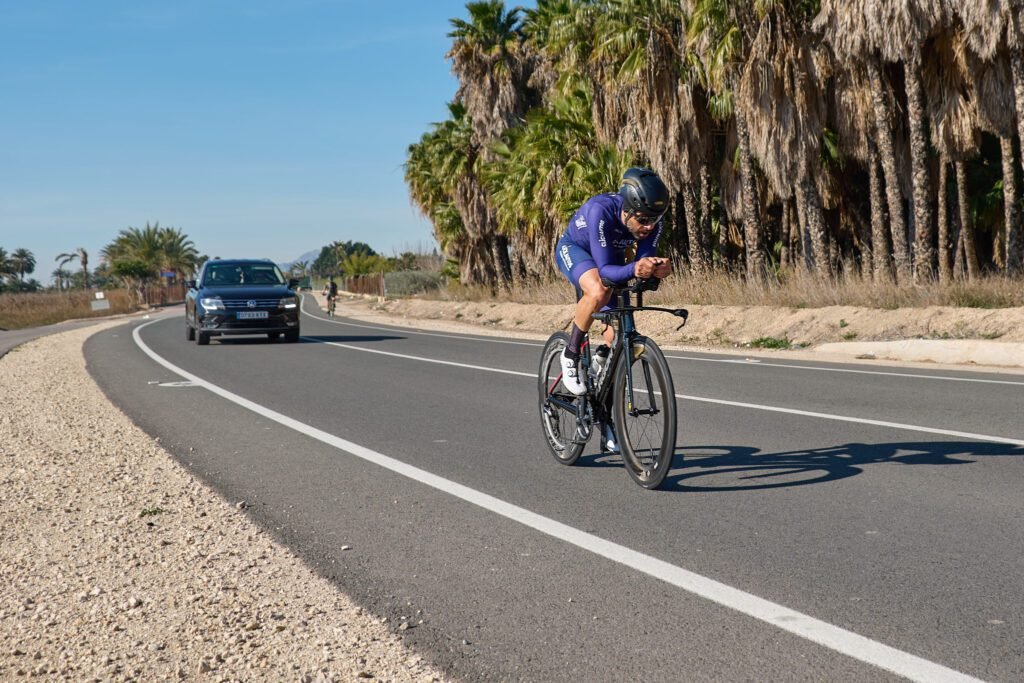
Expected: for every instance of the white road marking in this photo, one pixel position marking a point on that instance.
(745, 361)
(833, 637)
(790, 366)
(701, 399)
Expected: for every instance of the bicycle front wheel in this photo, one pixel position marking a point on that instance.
(558, 406)
(645, 413)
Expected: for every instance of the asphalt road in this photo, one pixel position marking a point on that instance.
(821, 522)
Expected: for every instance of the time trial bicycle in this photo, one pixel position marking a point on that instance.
(632, 391)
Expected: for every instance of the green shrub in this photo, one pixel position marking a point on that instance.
(772, 343)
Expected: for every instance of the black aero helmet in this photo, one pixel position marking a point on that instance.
(643, 192)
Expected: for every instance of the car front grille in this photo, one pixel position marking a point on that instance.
(243, 304)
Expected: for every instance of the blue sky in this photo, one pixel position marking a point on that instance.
(259, 128)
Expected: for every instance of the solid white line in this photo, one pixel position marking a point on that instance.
(674, 356)
(702, 399)
(848, 370)
(859, 420)
(833, 637)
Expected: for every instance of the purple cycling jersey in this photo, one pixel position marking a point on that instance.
(597, 227)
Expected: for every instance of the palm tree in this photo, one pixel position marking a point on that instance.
(158, 248)
(5, 263)
(61, 276)
(992, 32)
(434, 169)
(643, 42)
(954, 133)
(544, 171)
(717, 38)
(781, 89)
(22, 262)
(488, 59)
(850, 28)
(900, 28)
(82, 256)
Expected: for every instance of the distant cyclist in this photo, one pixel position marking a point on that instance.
(594, 247)
(331, 292)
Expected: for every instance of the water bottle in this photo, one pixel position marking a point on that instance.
(598, 361)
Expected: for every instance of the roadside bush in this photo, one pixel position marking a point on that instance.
(410, 282)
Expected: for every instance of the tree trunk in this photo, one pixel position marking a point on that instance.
(1011, 212)
(924, 269)
(751, 206)
(966, 228)
(945, 244)
(786, 254)
(887, 153)
(504, 265)
(705, 216)
(814, 225)
(695, 248)
(1015, 245)
(880, 259)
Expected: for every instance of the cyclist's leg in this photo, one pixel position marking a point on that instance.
(576, 264)
(595, 296)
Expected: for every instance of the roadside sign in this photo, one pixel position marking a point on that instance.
(100, 305)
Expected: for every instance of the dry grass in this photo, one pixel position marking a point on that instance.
(18, 311)
(796, 289)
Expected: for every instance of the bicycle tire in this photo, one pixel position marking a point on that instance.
(559, 425)
(646, 429)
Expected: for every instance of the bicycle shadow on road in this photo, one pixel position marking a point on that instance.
(739, 468)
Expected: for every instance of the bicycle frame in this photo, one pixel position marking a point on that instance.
(596, 402)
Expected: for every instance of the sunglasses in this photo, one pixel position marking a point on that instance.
(643, 219)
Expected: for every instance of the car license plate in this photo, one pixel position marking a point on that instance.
(252, 315)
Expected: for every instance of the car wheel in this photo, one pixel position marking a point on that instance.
(291, 336)
(190, 332)
(202, 338)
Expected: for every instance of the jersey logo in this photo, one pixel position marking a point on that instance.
(600, 234)
(581, 222)
(566, 258)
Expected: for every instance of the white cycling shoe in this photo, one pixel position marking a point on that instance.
(571, 376)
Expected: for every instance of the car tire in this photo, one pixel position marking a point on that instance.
(190, 332)
(202, 338)
(291, 336)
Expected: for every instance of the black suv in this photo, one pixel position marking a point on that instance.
(241, 296)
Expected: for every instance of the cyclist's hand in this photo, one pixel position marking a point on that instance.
(653, 266)
(663, 269)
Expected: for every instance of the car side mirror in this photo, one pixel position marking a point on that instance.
(191, 284)
(293, 283)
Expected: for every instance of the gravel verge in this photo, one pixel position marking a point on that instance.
(117, 565)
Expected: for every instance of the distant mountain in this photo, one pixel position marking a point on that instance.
(309, 256)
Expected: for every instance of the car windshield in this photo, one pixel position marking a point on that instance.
(242, 274)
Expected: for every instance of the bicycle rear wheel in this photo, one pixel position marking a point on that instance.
(646, 416)
(558, 406)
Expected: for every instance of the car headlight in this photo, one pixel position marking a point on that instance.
(212, 303)
(289, 302)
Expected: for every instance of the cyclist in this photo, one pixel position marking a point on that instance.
(331, 291)
(594, 247)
